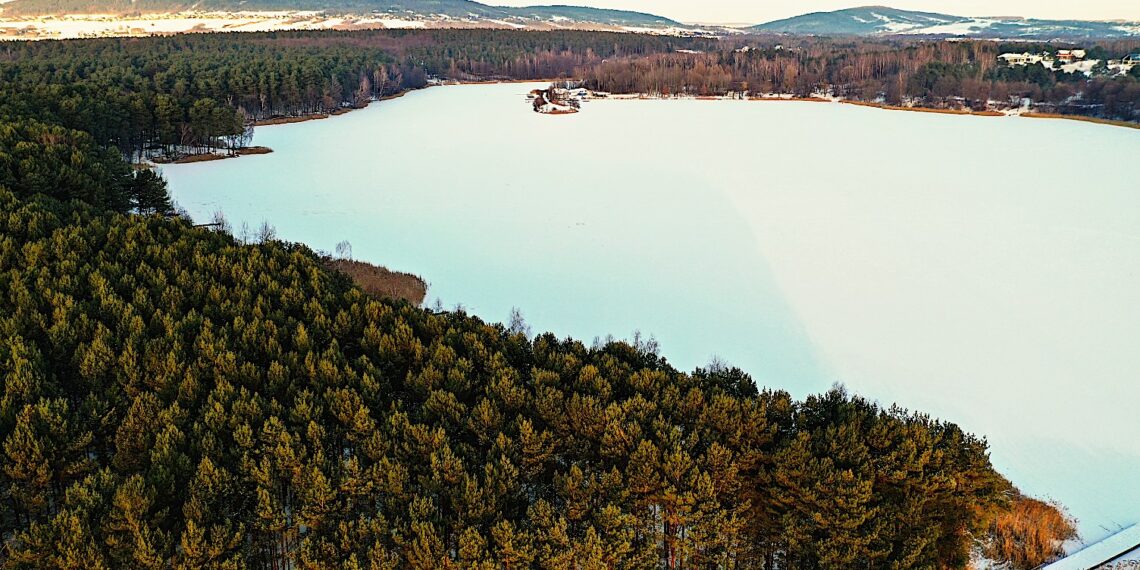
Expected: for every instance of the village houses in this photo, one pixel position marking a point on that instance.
(1071, 61)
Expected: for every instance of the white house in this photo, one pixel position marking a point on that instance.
(1119, 551)
(1021, 58)
(1014, 58)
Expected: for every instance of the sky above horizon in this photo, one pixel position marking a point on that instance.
(755, 12)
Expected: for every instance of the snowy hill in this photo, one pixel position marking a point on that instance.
(869, 20)
(880, 21)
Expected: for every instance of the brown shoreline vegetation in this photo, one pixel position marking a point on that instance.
(289, 120)
(943, 111)
(988, 113)
(1097, 120)
(254, 150)
(797, 98)
(211, 156)
(382, 282)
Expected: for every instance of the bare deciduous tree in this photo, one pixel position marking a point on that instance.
(219, 223)
(518, 324)
(344, 250)
(266, 233)
(645, 345)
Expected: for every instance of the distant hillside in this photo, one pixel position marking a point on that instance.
(881, 20)
(425, 9)
(868, 20)
(586, 14)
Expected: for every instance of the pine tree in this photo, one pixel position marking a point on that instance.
(44, 453)
(134, 535)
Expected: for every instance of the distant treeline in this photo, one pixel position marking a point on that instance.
(199, 92)
(195, 93)
(962, 74)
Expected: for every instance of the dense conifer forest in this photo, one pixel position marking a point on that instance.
(173, 398)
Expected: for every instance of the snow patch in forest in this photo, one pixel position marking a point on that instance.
(953, 29)
(515, 25)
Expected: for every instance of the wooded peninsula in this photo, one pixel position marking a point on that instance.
(174, 397)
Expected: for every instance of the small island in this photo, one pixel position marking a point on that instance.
(557, 100)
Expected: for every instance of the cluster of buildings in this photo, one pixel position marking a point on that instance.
(1063, 56)
(1071, 61)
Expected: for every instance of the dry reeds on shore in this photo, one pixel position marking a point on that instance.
(382, 282)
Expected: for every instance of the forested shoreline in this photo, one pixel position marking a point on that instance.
(163, 98)
(921, 73)
(196, 93)
(176, 398)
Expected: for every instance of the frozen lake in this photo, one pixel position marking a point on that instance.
(985, 270)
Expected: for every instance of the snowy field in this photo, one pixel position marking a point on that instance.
(924, 259)
(106, 25)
